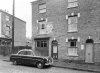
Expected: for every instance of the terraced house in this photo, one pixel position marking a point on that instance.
(67, 29)
(6, 33)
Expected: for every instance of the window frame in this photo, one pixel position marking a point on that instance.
(72, 50)
(43, 43)
(72, 3)
(42, 29)
(43, 9)
(72, 27)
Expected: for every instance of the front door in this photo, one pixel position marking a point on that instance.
(89, 53)
(42, 47)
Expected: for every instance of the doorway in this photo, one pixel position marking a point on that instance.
(42, 46)
(89, 51)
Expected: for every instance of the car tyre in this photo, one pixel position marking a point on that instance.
(39, 65)
(15, 63)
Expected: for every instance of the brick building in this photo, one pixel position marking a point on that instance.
(6, 32)
(67, 29)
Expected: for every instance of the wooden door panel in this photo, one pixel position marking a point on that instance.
(89, 53)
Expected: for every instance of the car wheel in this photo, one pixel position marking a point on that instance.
(39, 65)
(15, 63)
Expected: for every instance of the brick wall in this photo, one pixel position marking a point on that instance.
(88, 23)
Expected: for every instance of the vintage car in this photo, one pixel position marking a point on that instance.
(27, 56)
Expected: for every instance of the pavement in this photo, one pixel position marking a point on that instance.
(77, 66)
(70, 65)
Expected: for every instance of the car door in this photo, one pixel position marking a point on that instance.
(29, 57)
(22, 55)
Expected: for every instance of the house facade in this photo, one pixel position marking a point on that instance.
(67, 29)
(6, 32)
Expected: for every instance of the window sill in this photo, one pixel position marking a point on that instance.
(72, 55)
(73, 31)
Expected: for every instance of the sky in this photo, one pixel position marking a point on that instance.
(22, 11)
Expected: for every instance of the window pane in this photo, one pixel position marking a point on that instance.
(43, 26)
(7, 18)
(72, 20)
(72, 52)
(42, 44)
(72, 0)
(45, 44)
(73, 44)
(72, 4)
(38, 44)
(42, 6)
(22, 53)
(72, 28)
(42, 10)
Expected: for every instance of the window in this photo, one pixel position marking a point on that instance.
(73, 43)
(42, 27)
(72, 23)
(72, 3)
(29, 53)
(7, 18)
(38, 44)
(41, 43)
(72, 49)
(22, 53)
(42, 8)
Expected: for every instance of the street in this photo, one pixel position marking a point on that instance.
(7, 67)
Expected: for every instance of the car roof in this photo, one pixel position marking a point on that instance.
(26, 50)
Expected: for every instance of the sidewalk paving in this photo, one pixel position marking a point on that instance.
(4, 58)
(85, 67)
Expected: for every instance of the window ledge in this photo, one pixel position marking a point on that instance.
(72, 55)
(72, 31)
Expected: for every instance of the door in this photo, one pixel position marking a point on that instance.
(42, 47)
(54, 50)
(89, 53)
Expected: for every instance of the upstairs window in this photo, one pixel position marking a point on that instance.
(7, 18)
(72, 23)
(72, 3)
(42, 27)
(42, 8)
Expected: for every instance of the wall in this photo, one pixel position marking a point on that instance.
(88, 23)
(20, 32)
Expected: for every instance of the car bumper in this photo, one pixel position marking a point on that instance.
(48, 63)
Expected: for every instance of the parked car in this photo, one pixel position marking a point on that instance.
(27, 56)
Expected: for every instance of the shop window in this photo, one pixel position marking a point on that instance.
(42, 8)
(72, 23)
(72, 3)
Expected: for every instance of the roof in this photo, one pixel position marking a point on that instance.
(12, 15)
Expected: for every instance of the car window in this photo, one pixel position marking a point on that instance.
(29, 53)
(22, 53)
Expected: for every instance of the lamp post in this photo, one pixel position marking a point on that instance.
(13, 11)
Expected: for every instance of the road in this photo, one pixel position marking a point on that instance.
(7, 67)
